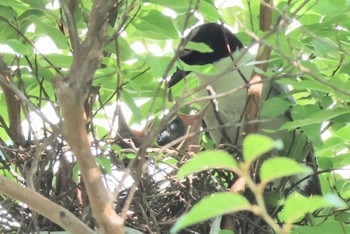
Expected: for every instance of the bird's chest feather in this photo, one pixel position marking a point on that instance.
(228, 91)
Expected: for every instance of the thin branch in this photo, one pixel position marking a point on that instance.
(71, 25)
(24, 99)
(31, 44)
(123, 25)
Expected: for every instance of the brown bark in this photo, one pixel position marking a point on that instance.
(42, 205)
(71, 94)
(256, 86)
(13, 107)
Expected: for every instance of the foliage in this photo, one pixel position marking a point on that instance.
(310, 45)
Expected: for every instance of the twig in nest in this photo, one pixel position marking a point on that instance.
(215, 105)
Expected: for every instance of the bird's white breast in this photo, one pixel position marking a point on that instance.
(231, 105)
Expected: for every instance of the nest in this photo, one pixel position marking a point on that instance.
(158, 201)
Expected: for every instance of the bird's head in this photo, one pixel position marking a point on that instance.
(217, 37)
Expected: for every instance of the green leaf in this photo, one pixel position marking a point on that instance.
(170, 161)
(274, 199)
(125, 50)
(130, 155)
(178, 5)
(343, 133)
(105, 73)
(207, 69)
(6, 31)
(155, 25)
(306, 84)
(283, 43)
(277, 167)
(324, 228)
(136, 114)
(339, 3)
(309, 19)
(274, 107)
(60, 60)
(296, 145)
(331, 145)
(76, 171)
(105, 163)
(329, 7)
(340, 161)
(15, 4)
(200, 47)
(297, 205)
(19, 47)
(322, 47)
(335, 201)
(54, 33)
(158, 64)
(343, 217)
(211, 159)
(302, 112)
(101, 130)
(225, 231)
(345, 68)
(341, 185)
(211, 206)
(256, 145)
(208, 11)
(319, 117)
(7, 12)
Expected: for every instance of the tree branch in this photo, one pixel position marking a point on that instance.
(12, 105)
(71, 94)
(71, 25)
(254, 91)
(44, 206)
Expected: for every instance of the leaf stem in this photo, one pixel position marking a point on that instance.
(260, 208)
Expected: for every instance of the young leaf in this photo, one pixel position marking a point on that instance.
(211, 206)
(207, 160)
(256, 145)
(297, 205)
(76, 172)
(278, 167)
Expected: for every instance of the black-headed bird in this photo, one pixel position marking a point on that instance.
(225, 85)
(224, 89)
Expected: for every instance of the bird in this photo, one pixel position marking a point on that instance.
(182, 132)
(224, 114)
(227, 90)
